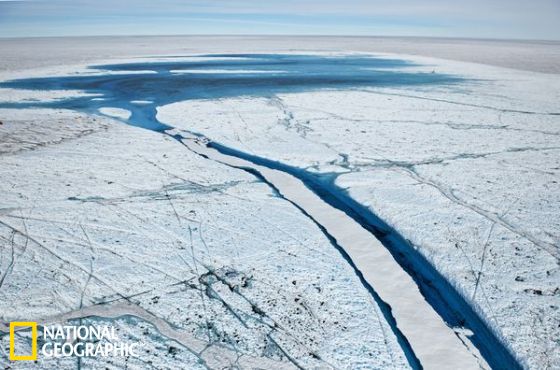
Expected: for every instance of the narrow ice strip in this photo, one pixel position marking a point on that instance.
(434, 343)
(224, 71)
(186, 58)
(16, 95)
(104, 72)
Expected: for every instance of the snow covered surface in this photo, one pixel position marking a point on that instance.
(470, 175)
(120, 212)
(531, 55)
(467, 173)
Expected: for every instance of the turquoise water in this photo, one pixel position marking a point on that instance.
(263, 75)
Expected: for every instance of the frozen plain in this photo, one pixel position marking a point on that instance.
(467, 173)
(469, 176)
(173, 233)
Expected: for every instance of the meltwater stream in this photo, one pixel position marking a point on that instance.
(143, 86)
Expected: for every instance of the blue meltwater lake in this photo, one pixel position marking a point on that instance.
(141, 87)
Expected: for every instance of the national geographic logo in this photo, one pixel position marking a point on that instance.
(22, 324)
(70, 341)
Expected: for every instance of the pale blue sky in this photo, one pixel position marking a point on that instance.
(517, 19)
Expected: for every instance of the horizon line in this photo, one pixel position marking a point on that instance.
(281, 35)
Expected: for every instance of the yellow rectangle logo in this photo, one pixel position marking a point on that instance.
(33, 355)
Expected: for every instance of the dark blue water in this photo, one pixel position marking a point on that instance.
(273, 74)
(453, 307)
